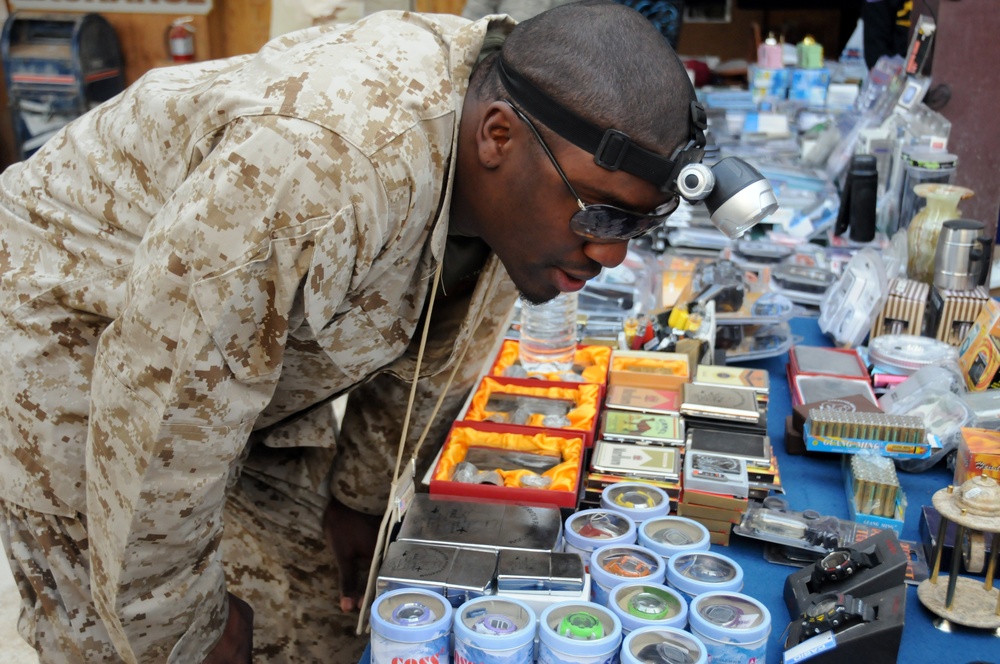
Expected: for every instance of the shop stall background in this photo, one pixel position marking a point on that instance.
(965, 54)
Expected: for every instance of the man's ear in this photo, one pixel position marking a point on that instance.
(494, 135)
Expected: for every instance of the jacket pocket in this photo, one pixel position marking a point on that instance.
(246, 310)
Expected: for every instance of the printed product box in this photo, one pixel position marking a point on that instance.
(978, 454)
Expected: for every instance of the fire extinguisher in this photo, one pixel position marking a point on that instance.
(180, 40)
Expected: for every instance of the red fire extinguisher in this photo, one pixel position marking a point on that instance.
(180, 40)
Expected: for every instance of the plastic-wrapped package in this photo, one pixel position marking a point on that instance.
(907, 353)
(850, 306)
(935, 393)
(810, 530)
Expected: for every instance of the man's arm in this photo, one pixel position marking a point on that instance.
(181, 375)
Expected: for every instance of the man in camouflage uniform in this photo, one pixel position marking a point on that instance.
(193, 270)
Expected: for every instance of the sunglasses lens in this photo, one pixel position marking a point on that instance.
(606, 222)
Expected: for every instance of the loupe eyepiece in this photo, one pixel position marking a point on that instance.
(695, 182)
(739, 198)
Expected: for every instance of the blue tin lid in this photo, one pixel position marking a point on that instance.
(729, 617)
(636, 499)
(495, 623)
(640, 604)
(411, 615)
(613, 564)
(590, 529)
(670, 535)
(662, 645)
(580, 629)
(699, 572)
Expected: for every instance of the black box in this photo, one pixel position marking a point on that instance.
(890, 571)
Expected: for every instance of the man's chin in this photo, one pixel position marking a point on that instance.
(534, 298)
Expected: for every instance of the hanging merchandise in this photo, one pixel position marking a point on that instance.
(180, 40)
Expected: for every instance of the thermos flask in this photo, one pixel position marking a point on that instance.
(857, 204)
(962, 259)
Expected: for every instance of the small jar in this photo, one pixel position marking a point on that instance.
(662, 644)
(734, 627)
(591, 529)
(493, 629)
(670, 535)
(578, 633)
(410, 623)
(639, 604)
(638, 501)
(704, 571)
(615, 564)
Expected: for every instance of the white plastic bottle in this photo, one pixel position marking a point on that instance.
(548, 334)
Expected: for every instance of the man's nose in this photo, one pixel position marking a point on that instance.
(608, 255)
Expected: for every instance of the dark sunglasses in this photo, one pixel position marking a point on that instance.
(602, 222)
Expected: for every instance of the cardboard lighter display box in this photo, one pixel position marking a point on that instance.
(659, 371)
(979, 352)
(978, 454)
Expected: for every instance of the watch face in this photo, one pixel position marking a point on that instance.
(675, 536)
(627, 565)
(581, 626)
(835, 559)
(602, 525)
(664, 653)
(822, 606)
(705, 569)
(649, 606)
(636, 498)
(495, 625)
(722, 615)
(412, 614)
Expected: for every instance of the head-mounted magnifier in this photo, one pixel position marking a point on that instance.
(736, 194)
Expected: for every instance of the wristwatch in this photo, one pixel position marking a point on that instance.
(831, 611)
(664, 653)
(581, 626)
(648, 605)
(840, 564)
(495, 624)
(723, 615)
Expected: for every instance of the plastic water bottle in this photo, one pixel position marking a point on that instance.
(548, 334)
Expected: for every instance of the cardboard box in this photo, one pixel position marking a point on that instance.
(952, 313)
(639, 368)
(903, 312)
(979, 352)
(693, 497)
(894, 523)
(809, 85)
(978, 454)
(487, 434)
(720, 538)
(842, 445)
(699, 512)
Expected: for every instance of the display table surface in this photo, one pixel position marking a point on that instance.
(815, 482)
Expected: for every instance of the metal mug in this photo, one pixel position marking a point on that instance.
(962, 259)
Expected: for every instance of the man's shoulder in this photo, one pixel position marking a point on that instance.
(368, 81)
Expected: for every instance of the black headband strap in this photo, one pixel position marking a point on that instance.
(612, 149)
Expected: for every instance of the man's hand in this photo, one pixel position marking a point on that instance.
(351, 535)
(236, 644)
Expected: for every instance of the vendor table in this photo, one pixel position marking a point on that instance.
(815, 482)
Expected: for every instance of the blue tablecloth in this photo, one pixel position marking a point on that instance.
(816, 483)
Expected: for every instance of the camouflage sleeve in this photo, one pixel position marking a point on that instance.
(182, 373)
